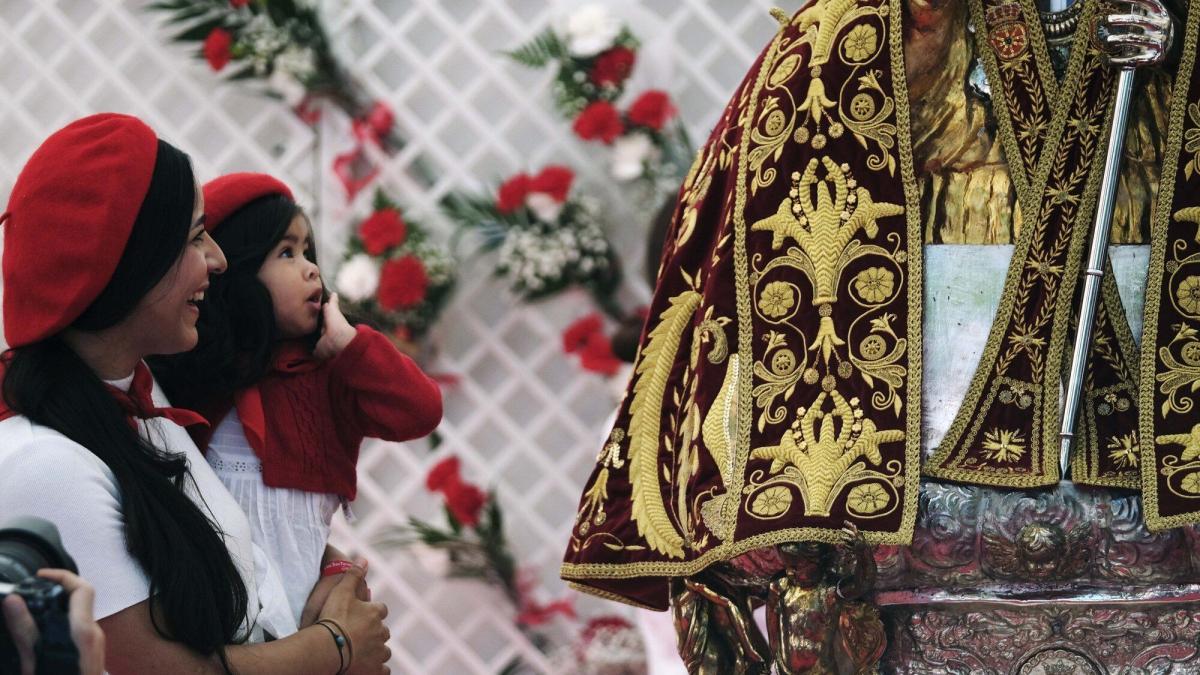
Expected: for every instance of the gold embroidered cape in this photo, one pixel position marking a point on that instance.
(777, 392)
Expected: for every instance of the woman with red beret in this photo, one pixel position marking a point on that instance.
(105, 258)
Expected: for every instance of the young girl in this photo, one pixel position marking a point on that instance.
(289, 399)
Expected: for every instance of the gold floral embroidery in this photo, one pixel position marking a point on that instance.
(1191, 140)
(825, 458)
(1124, 451)
(1191, 483)
(867, 498)
(875, 284)
(1004, 445)
(1188, 295)
(772, 502)
(591, 512)
(777, 299)
(824, 228)
(859, 45)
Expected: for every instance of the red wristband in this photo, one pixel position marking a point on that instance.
(336, 567)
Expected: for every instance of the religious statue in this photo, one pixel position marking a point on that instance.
(862, 333)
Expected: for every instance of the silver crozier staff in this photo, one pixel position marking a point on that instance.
(1143, 36)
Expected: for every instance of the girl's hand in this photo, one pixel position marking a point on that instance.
(320, 593)
(337, 331)
(363, 622)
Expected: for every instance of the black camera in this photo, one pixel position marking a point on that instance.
(27, 545)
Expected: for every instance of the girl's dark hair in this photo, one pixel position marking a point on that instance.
(197, 596)
(237, 319)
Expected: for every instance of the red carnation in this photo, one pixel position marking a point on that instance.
(578, 333)
(402, 283)
(597, 355)
(553, 180)
(217, 48)
(599, 121)
(239, 3)
(613, 66)
(512, 193)
(382, 230)
(443, 474)
(652, 109)
(465, 502)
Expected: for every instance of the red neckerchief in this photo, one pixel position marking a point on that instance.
(291, 357)
(138, 402)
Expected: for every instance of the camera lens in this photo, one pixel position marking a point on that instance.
(28, 544)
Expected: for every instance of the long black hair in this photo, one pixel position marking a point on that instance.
(237, 318)
(197, 597)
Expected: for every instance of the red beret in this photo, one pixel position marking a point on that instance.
(68, 219)
(225, 195)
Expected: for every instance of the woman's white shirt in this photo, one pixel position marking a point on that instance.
(45, 474)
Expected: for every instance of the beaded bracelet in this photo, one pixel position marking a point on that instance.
(343, 639)
(336, 567)
(340, 642)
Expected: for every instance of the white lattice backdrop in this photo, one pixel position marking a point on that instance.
(524, 419)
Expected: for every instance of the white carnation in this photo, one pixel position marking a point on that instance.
(629, 156)
(591, 30)
(357, 278)
(543, 206)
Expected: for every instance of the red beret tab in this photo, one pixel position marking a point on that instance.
(70, 214)
(225, 195)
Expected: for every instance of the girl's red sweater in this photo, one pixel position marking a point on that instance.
(306, 419)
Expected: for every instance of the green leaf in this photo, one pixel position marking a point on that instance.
(539, 51)
(169, 5)
(455, 526)
(247, 73)
(198, 32)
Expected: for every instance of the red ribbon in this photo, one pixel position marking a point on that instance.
(354, 170)
(137, 402)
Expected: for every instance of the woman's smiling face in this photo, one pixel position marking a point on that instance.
(164, 320)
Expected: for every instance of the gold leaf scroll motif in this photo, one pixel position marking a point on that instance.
(657, 358)
(719, 433)
(826, 449)
(825, 231)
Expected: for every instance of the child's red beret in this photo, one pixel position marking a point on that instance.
(225, 195)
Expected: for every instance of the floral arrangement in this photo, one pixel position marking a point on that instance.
(547, 240)
(595, 55)
(472, 545)
(284, 44)
(393, 274)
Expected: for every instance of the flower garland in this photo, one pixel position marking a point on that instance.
(547, 239)
(595, 56)
(473, 545)
(393, 274)
(284, 44)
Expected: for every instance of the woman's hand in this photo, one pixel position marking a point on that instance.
(337, 331)
(363, 622)
(85, 632)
